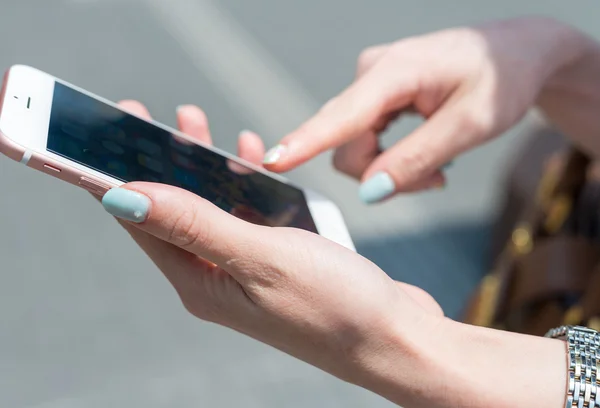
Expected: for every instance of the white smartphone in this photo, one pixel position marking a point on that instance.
(69, 133)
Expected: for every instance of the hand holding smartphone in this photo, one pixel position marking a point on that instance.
(71, 134)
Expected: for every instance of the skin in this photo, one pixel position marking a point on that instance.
(465, 83)
(334, 309)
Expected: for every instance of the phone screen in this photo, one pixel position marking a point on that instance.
(106, 139)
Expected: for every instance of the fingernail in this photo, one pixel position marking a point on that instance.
(274, 154)
(376, 188)
(181, 107)
(126, 204)
(245, 132)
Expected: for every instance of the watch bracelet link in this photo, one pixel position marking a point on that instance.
(583, 352)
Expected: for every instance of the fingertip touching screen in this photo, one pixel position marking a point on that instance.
(123, 146)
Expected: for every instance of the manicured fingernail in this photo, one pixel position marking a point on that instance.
(126, 204)
(376, 188)
(274, 154)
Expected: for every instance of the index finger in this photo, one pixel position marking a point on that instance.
(351, 114)
(135, 108)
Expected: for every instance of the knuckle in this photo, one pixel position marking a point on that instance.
(186, 231)
(198, 293)
(203, 310)
(367, 56)
(398, 49)
(416, 162)
(340, 161)
(193, 308)
(475, 122)
(402, 49)
(200, 310)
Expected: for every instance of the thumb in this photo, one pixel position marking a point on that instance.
(414, 162)
(185, 220)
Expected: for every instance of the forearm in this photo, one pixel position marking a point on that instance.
(456, 365)
(571, 98)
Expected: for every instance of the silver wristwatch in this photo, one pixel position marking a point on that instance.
(584, 364)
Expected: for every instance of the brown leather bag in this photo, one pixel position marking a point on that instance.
(546, 263)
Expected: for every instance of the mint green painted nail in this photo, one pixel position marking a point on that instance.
(376, 188)
(126, 204)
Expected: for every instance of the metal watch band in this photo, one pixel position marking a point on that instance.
(583, 350)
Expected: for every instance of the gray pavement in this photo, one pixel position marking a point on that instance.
(85, 319)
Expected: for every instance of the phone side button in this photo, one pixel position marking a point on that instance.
(52, 168)
(93, 186)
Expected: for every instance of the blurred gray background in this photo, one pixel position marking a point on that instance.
(86, 320)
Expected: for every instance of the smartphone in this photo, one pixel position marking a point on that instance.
(76, 136)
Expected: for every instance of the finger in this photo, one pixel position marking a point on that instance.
(162, 253)
(354, 113)
(418, 157)
(192, 121)
(251, 147)
(206, 290)
(354, 157)
(183, 219)
(135, 108)
(369, 57)
(177, 264)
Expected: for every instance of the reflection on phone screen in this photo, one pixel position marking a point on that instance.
(128, 148)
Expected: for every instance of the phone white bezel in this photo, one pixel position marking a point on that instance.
(28, 126)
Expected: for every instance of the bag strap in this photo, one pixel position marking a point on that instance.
(587, 311)
(540, 275)
(559, 186)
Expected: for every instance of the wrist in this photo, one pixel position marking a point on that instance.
(570, 97)
(497, 368)
(573, 64)
(403, 364)
(563, 47)
(448, 364)
(547, 46)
